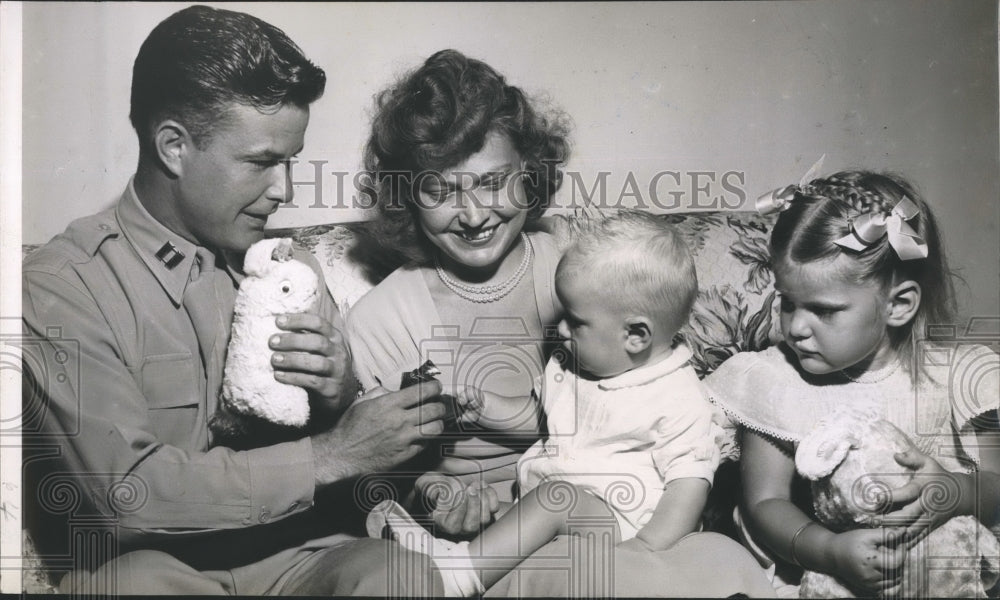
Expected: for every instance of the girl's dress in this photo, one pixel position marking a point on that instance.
(766, 392)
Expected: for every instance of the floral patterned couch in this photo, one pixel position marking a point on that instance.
(734, 312)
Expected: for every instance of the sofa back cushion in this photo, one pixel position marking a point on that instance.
(735, 310)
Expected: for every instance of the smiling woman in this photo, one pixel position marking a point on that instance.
(462, 165)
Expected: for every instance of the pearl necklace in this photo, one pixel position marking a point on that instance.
(874, 376)
(487, 293)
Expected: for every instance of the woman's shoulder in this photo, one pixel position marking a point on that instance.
(392, 297)
(388, 291)
(542, 241)
(559, 230)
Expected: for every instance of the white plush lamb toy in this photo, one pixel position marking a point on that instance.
(849, 459)
(275, 284)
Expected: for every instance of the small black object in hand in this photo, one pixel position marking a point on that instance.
(429, 372)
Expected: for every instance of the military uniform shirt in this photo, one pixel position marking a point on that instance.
(128, 401)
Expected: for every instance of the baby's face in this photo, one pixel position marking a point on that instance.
(595, 333)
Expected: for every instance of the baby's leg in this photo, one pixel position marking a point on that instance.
(553, 508)
(544, 513)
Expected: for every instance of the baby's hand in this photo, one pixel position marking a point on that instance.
(458, 509)
(471, 401)
(869, 560)
(932, 498)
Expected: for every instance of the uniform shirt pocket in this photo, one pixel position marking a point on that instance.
(170, 384)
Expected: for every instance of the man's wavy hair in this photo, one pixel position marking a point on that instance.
(437, 116)
(199, 61)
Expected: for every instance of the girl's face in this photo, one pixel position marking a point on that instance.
(829, 320)
(475, 211)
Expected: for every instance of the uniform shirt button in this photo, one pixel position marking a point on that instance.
(265, 515)
(104, 227)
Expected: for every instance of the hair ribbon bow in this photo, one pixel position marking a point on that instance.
(869, 227)
(780, 199)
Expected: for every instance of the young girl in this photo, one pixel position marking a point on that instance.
(631, 451)
(861, 273)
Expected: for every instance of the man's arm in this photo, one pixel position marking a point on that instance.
(102, 419)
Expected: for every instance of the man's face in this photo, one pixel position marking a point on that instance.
(229, 188)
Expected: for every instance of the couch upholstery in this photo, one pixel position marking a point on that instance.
(734, 312)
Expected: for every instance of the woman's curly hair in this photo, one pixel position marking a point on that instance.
(435, 117)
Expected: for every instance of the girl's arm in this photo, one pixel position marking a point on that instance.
(859, 558)
(677, 513)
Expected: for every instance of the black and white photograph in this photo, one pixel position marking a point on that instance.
(575, 299)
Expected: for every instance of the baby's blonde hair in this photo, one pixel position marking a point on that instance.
(639, 264)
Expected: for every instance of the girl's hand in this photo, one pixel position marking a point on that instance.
(869, 560)
(932, 498)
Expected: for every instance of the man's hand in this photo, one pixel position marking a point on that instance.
(311, 354)
(928, 501)
(378, 433)
(459, 510)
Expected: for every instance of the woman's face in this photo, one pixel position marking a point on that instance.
(474, 211)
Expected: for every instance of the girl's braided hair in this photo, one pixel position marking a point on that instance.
(822, 211)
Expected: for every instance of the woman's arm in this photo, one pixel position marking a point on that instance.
(860, 558)
(512, 414)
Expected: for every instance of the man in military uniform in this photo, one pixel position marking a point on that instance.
(220, 102)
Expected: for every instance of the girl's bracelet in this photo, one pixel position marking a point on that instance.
(795, 538)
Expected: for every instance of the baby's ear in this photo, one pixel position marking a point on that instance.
(638, 334)
(821, 451)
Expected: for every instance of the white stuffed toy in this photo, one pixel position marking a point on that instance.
(275, 284)
(849, 459)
